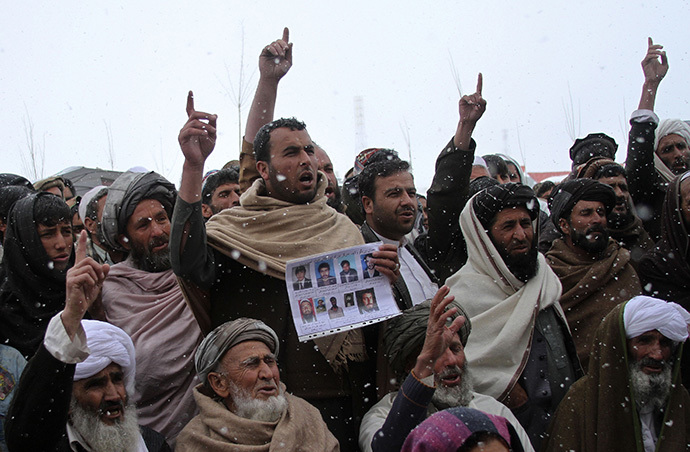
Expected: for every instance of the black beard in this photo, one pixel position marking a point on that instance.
(145, 260)
(617, 220)
(580, 239)
(336, 201)
(524, 266)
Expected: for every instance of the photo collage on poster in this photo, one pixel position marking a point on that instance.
(341, 290)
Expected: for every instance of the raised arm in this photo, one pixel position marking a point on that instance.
(654, 66)
(275, 61)
(445, 247)
(197, 140)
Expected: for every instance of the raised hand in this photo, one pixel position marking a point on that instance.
(198, 136)
(83, 285)
(438, 334)
(655, 63)
(473, 106)
(276, 58)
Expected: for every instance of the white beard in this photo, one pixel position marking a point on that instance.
(123, 435)
(650, 389)
(459, 395)
(269, 410)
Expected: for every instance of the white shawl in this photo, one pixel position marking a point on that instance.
(503, 309)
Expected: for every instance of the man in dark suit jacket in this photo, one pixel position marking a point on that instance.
(302, 282)
(326, 279)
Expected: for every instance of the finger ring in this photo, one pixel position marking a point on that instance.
(397, 267)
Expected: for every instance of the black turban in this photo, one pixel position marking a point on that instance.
(405, 334)
(487, 203)
(567, 194)
(593, 145)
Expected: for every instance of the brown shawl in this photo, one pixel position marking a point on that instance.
(591, 288)
(598, 414)
(216, 428)
(150, 308)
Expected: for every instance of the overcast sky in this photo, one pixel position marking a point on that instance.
(79, 71)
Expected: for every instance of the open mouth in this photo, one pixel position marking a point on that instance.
(451, 379)
(112, 412)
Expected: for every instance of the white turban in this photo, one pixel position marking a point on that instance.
(669, 127)
(642, 314)
(86, 199)
(107, 344)
(478, 161)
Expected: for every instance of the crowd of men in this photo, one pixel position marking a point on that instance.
(143, 316)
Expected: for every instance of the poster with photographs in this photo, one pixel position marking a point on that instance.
(334, 292)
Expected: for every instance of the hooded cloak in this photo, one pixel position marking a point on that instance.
(32, 291)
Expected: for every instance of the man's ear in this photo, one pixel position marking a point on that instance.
(206, 211)
(219, 384)
(90, 225)
(124, 241)
(262, 168)
(368, 205)
(564, 226)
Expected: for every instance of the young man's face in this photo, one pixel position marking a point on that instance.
(673, 151)
(57, 241)
(393, 209)
(224, 197)
(300, 275)
(346, 267)
(368, 301)
(290, 175)
(586, 227)
(324, 272)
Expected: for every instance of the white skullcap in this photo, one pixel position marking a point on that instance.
(478, 161)
(642, 314)
(86, 199)
(669, 127)
(107, 344)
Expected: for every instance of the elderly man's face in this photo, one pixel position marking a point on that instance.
(673, 151)
(104, 394)
(253, 369)
(449, 367)
(652, 349)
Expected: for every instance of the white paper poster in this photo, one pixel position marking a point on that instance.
(338, 291)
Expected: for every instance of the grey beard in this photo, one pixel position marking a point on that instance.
(650, 390)
(151, 262)
(123, 435)
(246, 406)
(448, 397)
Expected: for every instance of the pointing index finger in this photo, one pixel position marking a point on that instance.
(480, 82)
(80, 253)
(286, 35)
(649, 42)
(190, 103)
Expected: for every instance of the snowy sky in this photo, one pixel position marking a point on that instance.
(81, 71)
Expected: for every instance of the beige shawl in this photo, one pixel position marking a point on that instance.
(216, 428)
(264, 232)
(503, 309)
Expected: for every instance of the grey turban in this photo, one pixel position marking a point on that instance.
(405, 334)
(223, 338)
(125, 194)
(487, 203)
(567, 194)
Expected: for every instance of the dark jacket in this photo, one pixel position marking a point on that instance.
(37, 420)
